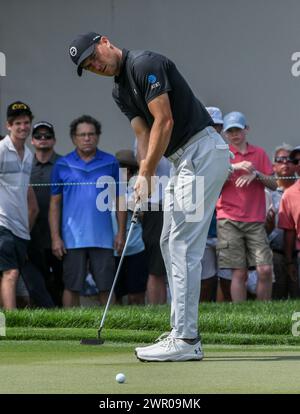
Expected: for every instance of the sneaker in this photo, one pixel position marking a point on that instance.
(172, 349)
(160, 338)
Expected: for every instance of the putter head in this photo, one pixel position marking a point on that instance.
(88, 341)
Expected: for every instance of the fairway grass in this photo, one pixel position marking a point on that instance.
(60, 367)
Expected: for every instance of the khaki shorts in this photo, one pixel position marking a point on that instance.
(241, 245)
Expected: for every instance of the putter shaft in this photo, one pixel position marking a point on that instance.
(133, 222)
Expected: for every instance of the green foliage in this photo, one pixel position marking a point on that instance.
(246, 323)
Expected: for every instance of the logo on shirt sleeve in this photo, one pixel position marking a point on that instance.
(152, 79)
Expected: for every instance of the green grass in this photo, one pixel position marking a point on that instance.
(58, 367)
(246, 323)
(251, 350)
(142, 337)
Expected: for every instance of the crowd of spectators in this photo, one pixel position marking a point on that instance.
(58, 244)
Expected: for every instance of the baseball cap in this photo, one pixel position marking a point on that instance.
(18, 108)
(294, 152)
(82, 47)
(43, 124)
(234, 120)
(215, 114)
(126, 157)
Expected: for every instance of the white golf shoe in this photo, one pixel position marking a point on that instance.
(171, 349)
(160, 338)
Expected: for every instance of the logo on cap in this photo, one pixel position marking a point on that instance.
(73, 51)
(18, 106)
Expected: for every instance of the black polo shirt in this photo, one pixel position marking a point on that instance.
(41, 174)
(154, 75)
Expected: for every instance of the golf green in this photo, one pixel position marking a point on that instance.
(67, 367)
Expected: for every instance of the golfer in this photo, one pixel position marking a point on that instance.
(168, 120)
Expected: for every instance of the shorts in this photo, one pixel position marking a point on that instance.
(209, 262)
(78, 262)
(242, 245)
(133, 275)
(13, 250)
(152, 227)
(225, 274)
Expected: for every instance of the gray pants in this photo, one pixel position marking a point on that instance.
(198, 173)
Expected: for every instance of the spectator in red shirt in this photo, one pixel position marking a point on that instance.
(289, 220)
(284, 169)
(241, 212)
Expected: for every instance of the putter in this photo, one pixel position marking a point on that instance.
(99, 340)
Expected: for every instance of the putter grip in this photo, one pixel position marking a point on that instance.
(136, 211)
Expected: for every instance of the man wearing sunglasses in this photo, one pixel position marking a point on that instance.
(289, 220)
(284, 169)
(40, 253)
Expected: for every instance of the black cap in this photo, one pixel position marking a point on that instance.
(43, 124)
(18, 108)
(294, 152)
(82, 47)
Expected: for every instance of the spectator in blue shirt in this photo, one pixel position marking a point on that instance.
(80, 221)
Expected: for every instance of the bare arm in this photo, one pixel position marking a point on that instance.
(252, 174)
(158, 140)
(33, 208)
(58, 247)
(142, 133)
(267, 180)
(160, 133)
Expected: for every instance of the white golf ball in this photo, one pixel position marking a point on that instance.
(120, 378)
